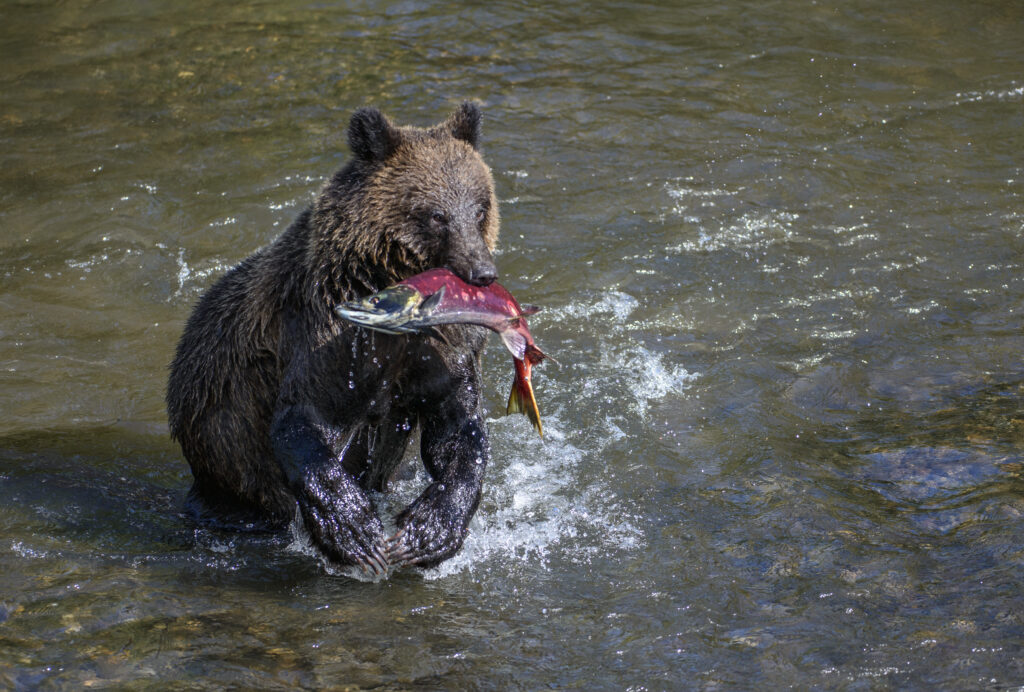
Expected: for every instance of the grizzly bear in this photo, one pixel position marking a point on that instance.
(277, 402)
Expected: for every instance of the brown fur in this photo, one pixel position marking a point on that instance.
(255, 350)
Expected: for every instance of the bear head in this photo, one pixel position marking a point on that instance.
(414, 199)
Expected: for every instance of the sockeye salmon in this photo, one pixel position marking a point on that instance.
(423, 302)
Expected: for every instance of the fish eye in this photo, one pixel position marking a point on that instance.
(374, 300)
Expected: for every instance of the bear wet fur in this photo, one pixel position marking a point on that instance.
(277, 402)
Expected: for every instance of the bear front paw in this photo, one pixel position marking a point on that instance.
(432, 528)
(344, 527)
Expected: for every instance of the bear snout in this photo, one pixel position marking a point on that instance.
(483, 274)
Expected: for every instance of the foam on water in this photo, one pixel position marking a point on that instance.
(614, 305)
(654, 379)
(22, 550)
(688, 196)
(626, 369)
(1012, 93)
(192, 281)
(538, 504)
(751, 231)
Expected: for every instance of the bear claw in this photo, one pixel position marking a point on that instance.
(403, 549)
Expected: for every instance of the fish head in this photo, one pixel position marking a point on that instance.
(397, 300)
(386, 311)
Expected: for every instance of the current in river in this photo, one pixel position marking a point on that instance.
(779, 246)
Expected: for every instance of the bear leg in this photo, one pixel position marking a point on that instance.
(433, 528)
(335, 510)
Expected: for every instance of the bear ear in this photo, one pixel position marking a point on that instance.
(464, 123)
(371, 136)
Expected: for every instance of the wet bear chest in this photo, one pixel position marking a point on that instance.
(380, 377)
(375, 389)
(417, 383)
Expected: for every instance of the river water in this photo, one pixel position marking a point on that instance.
(779, 246)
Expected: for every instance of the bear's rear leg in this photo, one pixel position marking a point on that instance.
(225, 513)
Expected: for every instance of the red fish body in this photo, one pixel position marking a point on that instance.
(436, 297)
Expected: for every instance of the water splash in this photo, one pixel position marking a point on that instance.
(543, 500)
(184, 272)
(536, 506)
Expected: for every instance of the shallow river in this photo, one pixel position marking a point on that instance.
(780, 250)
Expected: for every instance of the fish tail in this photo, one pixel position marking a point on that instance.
(521, 399)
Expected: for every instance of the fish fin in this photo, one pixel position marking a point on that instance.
(534, 355)
(439, 335)
(522, 400)
(526, 309)
(514, 342)
(432, 301)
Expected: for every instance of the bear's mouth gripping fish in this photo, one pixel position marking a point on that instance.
(423, 302)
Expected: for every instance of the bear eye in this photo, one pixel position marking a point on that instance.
(439, 218)
(480, 213)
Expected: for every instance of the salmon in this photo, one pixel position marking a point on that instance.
(423, 302)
